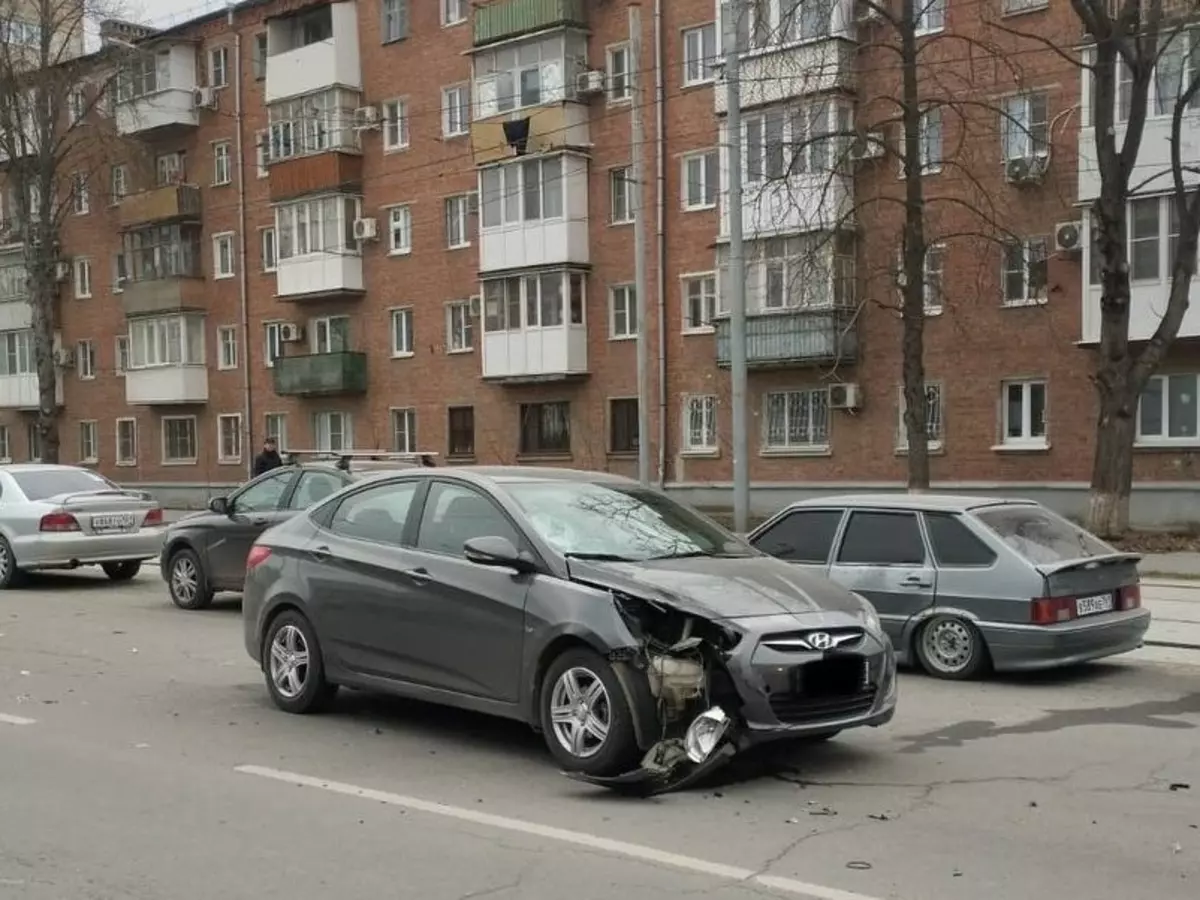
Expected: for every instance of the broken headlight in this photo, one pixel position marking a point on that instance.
(705, 733)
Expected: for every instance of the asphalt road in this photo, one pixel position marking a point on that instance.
(139, 758)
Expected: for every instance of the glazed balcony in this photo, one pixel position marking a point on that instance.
(314, 49)
(156, 92)
(793, 338)
(321, 374)
(176, 385)
(169, 203)
(506, 19)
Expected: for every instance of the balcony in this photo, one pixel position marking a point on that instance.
(785, 72)
(156, 92)
(315, 173)
(319, 276)
(793, 205)
(313, 50)
(793, 338)
(15, 314)
(173, 294)
(506, 19)
(548, 129)
(550, 229)
(169, 203)
(178, 385)
(321, 374)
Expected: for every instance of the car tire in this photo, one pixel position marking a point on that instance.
(125, 570)
(584, 676)
(952, 648)
(187, 582)
(10, 575)
(297, 687)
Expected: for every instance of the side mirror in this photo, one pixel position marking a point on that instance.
(220, 505)
(497, 552)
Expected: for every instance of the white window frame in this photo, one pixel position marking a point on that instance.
(118, 183)
(5, 444)
(458, 221)
(83, 277)
(218, 67)
(708, 165)
(814, 437)
(933, 288)
(706, 406)
(262, 152)
(227, 347)
(935, 425)
(400, 230)
(272, 341)
(1033, 251)
(395, 20)
(179, 336)
(618, 83)
(699, 68)
(407, 416)
(76, 105)
(269, 248)
(930, 17)
(324, 421)
(85, 359)
(89, 441)
(316, 122)
(460, 327)
(127, 460)
(506, 196)
(456, 110)
(222, 163)
(396, 125)
(401, 331)
(1027, 437)
(275, 425)
(930, 142)
(707, 298)
(1016, 7)
(1165, 439)
(454, 12)
(1024, 128)
(219, 240)
(81, 201)
(318, 226)
(322, 331)
(167, 459)
(224, 420)
(121, 353)
(621, 191)
(622, 299)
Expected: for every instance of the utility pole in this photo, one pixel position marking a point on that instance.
(735, 282)
(637, 146)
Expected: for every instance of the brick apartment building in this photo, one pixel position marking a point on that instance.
(407, 225)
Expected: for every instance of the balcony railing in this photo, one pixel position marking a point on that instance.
(173, 202)
(321, 374)
(796, 337)
(511, 18)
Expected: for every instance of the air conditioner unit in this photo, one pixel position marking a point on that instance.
(1025, 170)
(868, 146)
(474, 306)
(1068, 237)
(62, 271)
(845, 396)
(366, 229)
(366, 117)
(589, 83)
(290, 333)
(64, 358)
(204, 98)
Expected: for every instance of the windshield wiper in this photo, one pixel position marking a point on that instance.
(692, 554)
(600, 557)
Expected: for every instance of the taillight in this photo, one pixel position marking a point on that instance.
(1049, 610)
(257, 556)
(58, 521)
(1130, 597)
(154, 517)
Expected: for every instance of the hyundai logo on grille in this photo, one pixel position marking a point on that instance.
(820, 640)
(814, 640)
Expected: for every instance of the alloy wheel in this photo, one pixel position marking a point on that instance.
(185, 580)
(289, 662)
(580, 712)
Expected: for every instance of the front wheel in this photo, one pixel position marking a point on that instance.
(951, 647)
(122, 571)
(187, 582)
(585, 717)
(294, 667)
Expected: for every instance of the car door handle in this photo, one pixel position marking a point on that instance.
(320, 554)
(419, 575)
(260, 521)
(917, 581)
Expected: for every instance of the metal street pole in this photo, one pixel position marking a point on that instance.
(735, 281)
(637, 147)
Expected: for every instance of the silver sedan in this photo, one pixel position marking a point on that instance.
(63, 517)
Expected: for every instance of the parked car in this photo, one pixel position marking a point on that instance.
(967, 583)
(63, 517)
(205, 552)
(604, 613)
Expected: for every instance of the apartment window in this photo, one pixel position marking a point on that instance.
(333, 431)
(33, 435)
(545, 427)
(528, 191)
(120, 273)
(783, 21)
(222, 168)
(85, 360)
(126, 442)
(218, 67)
(77, 106)
(83, 278)
(797, 141)
(5, 444)
(805, 272)
(273, 343)
(532, 301)
(1167, 411)
(1024, 273)
(1024, 412)
(1144, 233)
(80, 199)
(313, 123)
(796, 420)
(330, 334)
(229, 438)
(930, 16)
(1020, 6)
(461, 431)
(395, 125)
(223, 255)
(259, 56)
(121, 351)
(620, 78)
(270, 258)
(1025, 126)
(404, 430)
(275, 426)
(395, 20)
(699, 54)
(1177, 67)
(118, 183)
(227, 348)
(458, 215)
(456, 110)
(620, 192)
(454, 11)
(929, 143)
(322, 225)
(168, 169)
(933, 417)
(700, 180)
(934, 291)
(399, 230)
(262, 153)
(623, 425)
(160, 251)
(622, 311)
(458, 326)
(700, 424)
(512, 76)
(402, 332)
(699, 302)
(166, 341)
(89, 442)
(16, 353)
(143, 74)
(179, 439)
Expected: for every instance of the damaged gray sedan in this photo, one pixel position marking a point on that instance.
(644, 641)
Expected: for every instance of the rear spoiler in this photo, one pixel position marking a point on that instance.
(1088, 562)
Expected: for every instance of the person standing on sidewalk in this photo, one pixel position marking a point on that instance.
(269, 458)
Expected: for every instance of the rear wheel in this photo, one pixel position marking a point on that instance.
(294, 667)
(10, 575)
(122, 571)
(186, 580)
(951, 647)
(585, 718)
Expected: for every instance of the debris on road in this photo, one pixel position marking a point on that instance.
(860, 865)
(879, 817)
(1179, 786)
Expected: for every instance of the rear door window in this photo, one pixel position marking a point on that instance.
(377, 513)
(264, 495)
(953, 543)
(1040, 535)
(313, 488)
(882, 539)
(803, 536)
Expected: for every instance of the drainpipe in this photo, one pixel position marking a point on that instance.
(244, 279)
(660, 239)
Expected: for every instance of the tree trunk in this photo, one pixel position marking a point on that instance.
(43, 302)
(1112, 466)
(913, 369)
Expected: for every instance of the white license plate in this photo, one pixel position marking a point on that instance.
(1088, 606)
(113, 522)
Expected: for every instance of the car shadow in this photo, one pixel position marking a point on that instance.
(86, 579)
(1064, 676)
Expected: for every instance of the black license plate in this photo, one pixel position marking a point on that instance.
(834, 676)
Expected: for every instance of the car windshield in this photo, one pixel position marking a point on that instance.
(1040, 535)
(38, 484)
(619, 522)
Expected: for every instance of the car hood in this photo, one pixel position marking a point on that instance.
(719, 588)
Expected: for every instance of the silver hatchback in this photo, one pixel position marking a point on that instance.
(963, 584)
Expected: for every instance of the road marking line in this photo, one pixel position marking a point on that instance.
(16, 720)
(562, 835)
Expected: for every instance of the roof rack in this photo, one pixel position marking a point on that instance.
(344, 457)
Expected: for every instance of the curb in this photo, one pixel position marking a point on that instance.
(1174, 645)
(1180, 584)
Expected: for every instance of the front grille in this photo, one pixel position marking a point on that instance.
(843, 638)
(824, 690)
